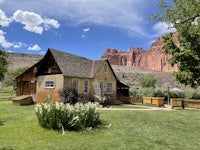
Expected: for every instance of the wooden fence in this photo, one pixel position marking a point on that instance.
(158, 101)
(189, 103)
(131, 99)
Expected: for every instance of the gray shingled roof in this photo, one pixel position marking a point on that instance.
(75, 66)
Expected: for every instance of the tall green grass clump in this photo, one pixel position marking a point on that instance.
(59, 116)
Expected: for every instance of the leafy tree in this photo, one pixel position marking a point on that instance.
(147, 81)
(11, 75)
(3, 64)
(129, 83)
(184, 16)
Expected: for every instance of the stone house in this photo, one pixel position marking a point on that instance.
(58, 69)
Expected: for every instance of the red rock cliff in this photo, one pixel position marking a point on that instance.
(154, 58)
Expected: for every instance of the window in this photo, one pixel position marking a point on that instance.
(49, 84)
(75, 84)
(34, 69)
(49, 70)
(109, 87)
(86, 87)
(105, 67)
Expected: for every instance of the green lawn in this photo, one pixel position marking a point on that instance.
(6, 93)
(129, 106)
(19, 130)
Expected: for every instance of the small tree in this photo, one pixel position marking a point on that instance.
(3, 64)
(184, 16)
(147, 81)
(129, 83)
(11, 75)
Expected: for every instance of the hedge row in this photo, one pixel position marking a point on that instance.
(155, 92)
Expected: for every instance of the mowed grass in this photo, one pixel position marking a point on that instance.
(176, 129)
(6, 93)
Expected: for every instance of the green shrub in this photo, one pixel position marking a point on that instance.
(147, 80)
(176, 94)
(133, 92)
(147, 92)
(11, 75)
(104, 101)
(189, 94)
(84, 98)
(196, 95)
(59, 116)
(69, 95)
(158, 93)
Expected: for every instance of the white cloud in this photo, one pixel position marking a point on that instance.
(51, 22)
(18, 44)
(83, 36)
(4, 20)
(34, 22)
(86, 30)
(128, 15)
(31, 20)
(34, 48)
(161, 28)
(5, 44)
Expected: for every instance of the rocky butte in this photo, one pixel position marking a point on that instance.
(154, 58)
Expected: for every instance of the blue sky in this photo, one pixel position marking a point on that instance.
(82, 27)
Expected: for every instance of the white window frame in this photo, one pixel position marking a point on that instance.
(76, 83)
(86, 87)
(49, 84)
(109, 87)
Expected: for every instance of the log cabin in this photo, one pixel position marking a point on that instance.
(59, 69)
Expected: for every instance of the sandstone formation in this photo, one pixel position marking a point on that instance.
(154, 58)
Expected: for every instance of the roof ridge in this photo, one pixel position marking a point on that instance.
(73, 65)
(60, 51)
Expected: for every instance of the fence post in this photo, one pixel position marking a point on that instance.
(183, 104)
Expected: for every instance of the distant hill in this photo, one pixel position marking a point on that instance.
(132, 74)
(19, 60)
(124, 73)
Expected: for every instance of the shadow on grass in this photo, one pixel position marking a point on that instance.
(1, 124)
(6, 148)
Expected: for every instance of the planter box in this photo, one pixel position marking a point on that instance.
(136, 99)
(192, 103)
(158, 101)
(177, 102)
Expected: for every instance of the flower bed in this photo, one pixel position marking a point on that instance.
(59, 116)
